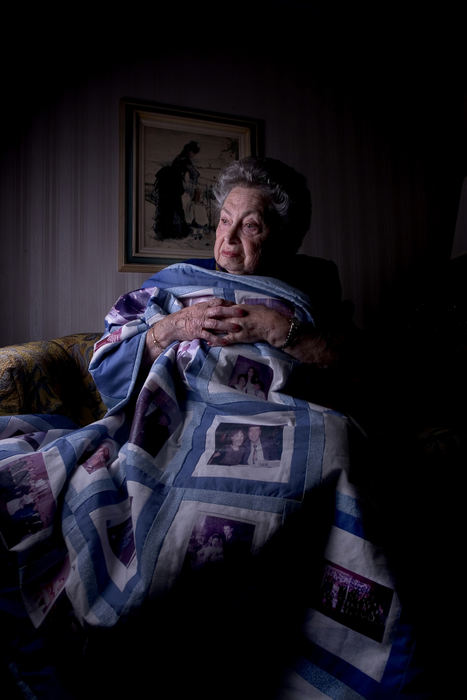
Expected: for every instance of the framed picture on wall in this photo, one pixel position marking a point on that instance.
(170, 158)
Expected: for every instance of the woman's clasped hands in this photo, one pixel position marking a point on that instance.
(219, 322)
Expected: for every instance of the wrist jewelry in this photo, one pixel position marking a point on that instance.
(292, 335)
(155, 342)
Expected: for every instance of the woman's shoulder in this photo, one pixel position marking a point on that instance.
(315, 276)
(311, 262)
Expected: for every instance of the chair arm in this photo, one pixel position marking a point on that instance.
(51, 377)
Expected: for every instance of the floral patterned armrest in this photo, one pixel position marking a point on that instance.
(51, 377)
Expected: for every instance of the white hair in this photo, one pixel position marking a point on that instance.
(285, 190)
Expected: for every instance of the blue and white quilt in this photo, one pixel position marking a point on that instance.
(168, 481)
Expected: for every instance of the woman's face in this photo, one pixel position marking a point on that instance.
(237, 438)
(242, 231)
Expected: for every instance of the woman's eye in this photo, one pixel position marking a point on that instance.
(251, 227)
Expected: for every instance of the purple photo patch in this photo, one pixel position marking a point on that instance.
(355, 601)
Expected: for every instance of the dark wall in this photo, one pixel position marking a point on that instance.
(369, 105)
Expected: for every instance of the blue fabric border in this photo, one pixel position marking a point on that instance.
(293, 489)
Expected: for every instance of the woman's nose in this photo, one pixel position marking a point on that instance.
(231, 233)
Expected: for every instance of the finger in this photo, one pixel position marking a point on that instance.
(219, 325)
(229, 338)
(212, 339)
(233, 311)
(215, 341)
(217, 301)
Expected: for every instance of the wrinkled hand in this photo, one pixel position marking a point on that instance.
(204, 320)
(258, 323)
(263, 324)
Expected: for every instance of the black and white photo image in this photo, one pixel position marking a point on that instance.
(251, 377)
(218, 539)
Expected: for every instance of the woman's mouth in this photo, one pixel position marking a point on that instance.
(231, 253)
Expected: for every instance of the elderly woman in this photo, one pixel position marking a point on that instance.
(264, 212)
(114, 505)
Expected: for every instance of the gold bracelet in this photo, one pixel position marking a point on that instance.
(294, 331)
(155, 342)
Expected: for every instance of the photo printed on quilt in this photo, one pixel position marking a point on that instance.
(355, 601)
(259, 447)
(218, 539)
(251, 377)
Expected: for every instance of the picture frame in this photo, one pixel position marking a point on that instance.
(170, 158)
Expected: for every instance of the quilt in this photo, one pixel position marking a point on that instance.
(202, 458)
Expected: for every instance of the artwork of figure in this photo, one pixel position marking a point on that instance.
(174, 195)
